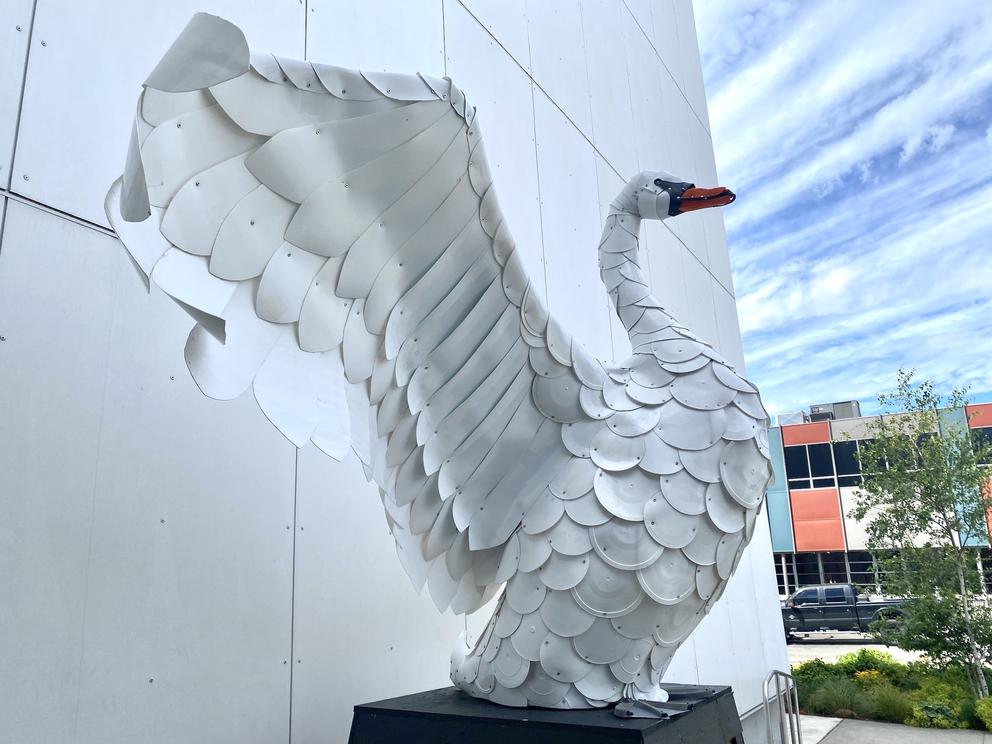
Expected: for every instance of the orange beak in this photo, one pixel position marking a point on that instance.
(693, 199)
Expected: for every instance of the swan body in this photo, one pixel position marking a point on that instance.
(338, 239)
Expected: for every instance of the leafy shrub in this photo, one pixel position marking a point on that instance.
(868, 659)
(869, 678)
(891, 704)
(939, 704)
(872, 684)
(983, 711)
(933, 715)
(840, 697)
(815, 670)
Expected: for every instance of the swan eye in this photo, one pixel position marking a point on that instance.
(659, 183)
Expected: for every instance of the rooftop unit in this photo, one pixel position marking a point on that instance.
(830, 411)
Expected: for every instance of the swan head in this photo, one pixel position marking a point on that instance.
(658, 195)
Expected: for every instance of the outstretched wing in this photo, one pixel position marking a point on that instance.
(338, 239)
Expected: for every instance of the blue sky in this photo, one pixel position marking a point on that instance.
(858, 136)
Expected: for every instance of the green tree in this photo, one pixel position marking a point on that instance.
(924, 504)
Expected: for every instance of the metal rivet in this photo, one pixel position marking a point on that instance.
(251, 222)
(26, 177)
(44, 43)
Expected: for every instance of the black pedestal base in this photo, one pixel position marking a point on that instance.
(448, 716)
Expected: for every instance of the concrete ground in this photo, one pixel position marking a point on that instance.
(872, 732)
(815, 728)
(830, 647)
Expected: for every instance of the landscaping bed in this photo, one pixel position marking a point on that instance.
(872, 685)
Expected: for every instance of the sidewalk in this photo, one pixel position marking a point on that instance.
(817, 729)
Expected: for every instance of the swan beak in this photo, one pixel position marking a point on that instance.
(693, 199)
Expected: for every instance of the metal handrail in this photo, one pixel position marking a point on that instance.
(788, 707)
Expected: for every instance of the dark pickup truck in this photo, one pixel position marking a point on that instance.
(834, 607)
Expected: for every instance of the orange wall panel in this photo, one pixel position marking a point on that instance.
(816, 519)
(815, 503)
(814, 433)
(979, 415)
(821, 534)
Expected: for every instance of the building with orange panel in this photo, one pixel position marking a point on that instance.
(817, 482)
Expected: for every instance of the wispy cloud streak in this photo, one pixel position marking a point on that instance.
(859, 137)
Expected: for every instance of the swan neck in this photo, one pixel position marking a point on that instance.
(621, 270)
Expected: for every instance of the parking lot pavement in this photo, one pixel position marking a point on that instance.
(830, 647)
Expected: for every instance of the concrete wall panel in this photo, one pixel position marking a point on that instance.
(571, 228)
(609, 85)
(728, 325)
(15, 29)
(393, 35)
(352, 641)
(85, 70)
(146, 568)
(558, 58)
(504, 97)
(505, 20)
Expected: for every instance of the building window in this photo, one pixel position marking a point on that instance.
(982, 436)
(862, 567)
(797, 467)
(847, 462)
(785, 573)
(810, 466)
(780, 573)
(834, 568)
(821, 463)
(807, 569)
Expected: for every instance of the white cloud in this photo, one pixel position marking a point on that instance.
(934, 139)
(860, 238)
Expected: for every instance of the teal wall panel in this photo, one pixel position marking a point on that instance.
(777, 499)
(952, 421)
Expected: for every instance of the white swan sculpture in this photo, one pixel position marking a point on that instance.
(337, 236)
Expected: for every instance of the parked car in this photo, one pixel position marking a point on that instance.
(834, 607)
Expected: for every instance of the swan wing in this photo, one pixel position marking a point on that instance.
(337, 238)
